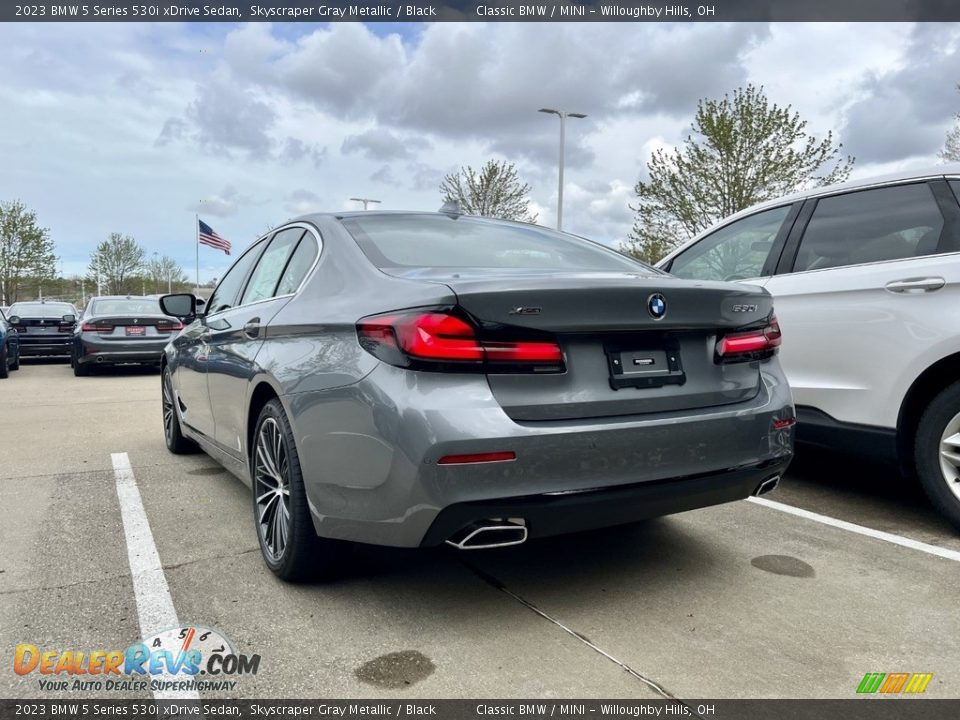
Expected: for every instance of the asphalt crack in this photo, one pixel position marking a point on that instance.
(649, 682)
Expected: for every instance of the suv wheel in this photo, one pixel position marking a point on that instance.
(4, 372)
(288, 541)
(937, 452)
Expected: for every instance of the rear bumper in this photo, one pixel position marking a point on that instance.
(369, 454)
(546, 515)
(116, 352)
(44, 345)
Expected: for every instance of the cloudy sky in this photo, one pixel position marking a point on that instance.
(134, 128)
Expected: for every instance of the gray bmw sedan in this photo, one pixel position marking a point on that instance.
(415, 379)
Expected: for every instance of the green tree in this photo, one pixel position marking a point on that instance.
(743, 150)
(117, 262)
(951, 148)
(26, 250)
(164, 272)
(496, 191)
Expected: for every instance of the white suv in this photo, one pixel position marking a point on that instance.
(866, 284)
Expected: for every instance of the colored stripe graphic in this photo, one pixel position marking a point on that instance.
(894, 682)
(918, 682)
(871, 682)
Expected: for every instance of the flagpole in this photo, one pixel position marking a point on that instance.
(196, 228)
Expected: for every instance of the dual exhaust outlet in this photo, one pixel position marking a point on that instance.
(504, 532)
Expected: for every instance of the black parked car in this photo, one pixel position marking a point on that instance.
(116, 330)
(43, 328)
(9, 347)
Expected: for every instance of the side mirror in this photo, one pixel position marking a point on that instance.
(69, 318)
(14, 319)
(179, 305)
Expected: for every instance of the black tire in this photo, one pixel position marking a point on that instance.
(303, 555)
(79, 369)
(15, 365)
(939, 476)
(176, 442)
(4, 371)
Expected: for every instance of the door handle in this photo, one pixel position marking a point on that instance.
(252, 328)
(916, 285)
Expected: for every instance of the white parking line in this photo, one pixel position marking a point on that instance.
(860, 529)
(154, 604)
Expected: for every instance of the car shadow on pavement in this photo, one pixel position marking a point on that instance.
(650, 547)
(862, 490)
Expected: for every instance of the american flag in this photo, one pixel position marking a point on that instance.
(208, 236)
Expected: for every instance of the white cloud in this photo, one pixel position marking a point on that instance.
(127, 127)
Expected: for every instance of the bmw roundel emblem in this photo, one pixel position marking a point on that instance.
(657, 306)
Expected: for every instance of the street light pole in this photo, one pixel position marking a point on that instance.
(563, 115)
(365, 201)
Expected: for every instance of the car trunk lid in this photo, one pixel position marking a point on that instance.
(619, 357)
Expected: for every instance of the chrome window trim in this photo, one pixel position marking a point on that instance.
(309, 228)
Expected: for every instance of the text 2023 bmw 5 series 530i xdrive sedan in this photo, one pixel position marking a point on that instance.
(414, 379)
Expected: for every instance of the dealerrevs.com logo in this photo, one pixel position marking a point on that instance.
(182, 658)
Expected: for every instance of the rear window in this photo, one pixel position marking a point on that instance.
(143, 306)
(436, 241)
(35, 309)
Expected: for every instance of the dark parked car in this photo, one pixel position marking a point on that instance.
(44, 328)
(9, 347)
(120, 330)
(414, 379)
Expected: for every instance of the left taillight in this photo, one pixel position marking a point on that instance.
(757, 343)
(443, 340)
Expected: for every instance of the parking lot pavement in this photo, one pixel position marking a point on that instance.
(734, 601)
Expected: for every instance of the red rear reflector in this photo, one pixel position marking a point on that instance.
(784, 423)
(477, 458)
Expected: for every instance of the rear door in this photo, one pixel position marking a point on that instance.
(237, 334)
(868, 284)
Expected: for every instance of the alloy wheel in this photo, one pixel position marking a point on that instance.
(272, 488)
(168, 409)
(950, 455)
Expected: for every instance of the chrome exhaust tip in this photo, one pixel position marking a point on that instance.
(768, 485)
(491, 533)
(99, 358)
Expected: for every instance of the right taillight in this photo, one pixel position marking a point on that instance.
(443, 340)
(757, 343)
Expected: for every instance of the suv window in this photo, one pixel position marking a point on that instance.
(734, 252)
(955, 184)
(265, 277)
(225, 295)
(300, 263)
(889, 223)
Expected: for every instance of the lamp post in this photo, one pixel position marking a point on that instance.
(365, 201)
(563, 115)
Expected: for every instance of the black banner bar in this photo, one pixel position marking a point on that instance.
(473, 11)
(863, 708)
